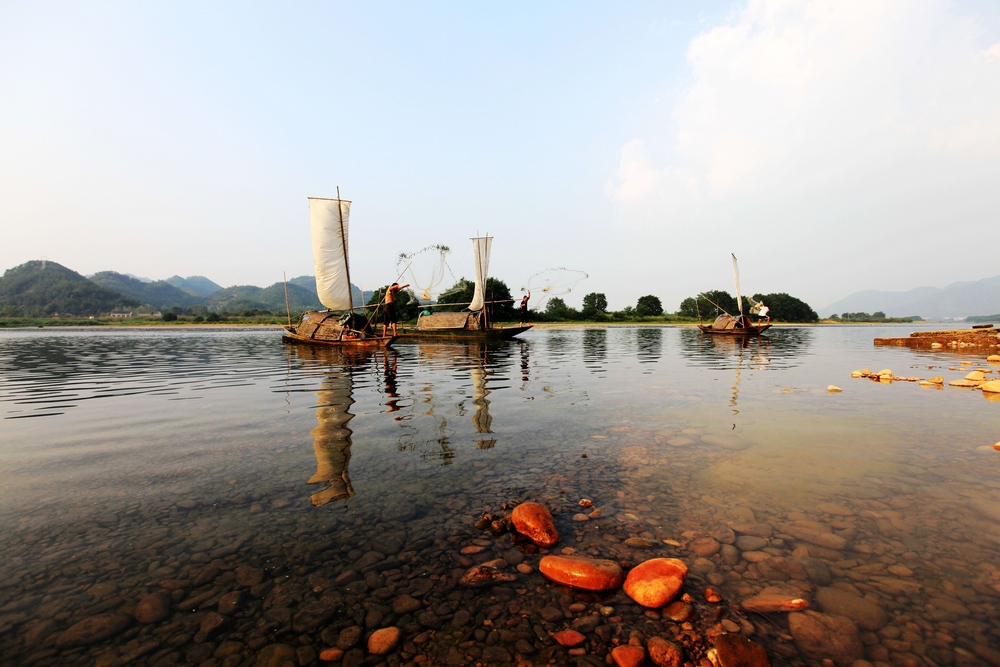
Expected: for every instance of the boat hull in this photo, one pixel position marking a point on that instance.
(752, 330)
(372, 343)
(500, 333)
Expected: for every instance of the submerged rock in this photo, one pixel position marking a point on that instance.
(655, 582)
(628, 656)
(484, 575)
(589, 574)
(867, 614)
(569, 638)
(93, 629)
(820, 636)
(384, 640)
(535, 522)
(734, 650)
(776, 598)
(664, 653)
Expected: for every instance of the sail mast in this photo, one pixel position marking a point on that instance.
(347, 261)
(736, 277)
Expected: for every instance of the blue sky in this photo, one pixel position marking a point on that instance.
(833, 146)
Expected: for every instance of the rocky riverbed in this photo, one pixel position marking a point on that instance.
(803, 527)
(206, 584)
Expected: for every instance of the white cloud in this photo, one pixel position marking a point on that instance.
(826, 130)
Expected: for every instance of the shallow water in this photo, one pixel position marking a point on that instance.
(164, 460)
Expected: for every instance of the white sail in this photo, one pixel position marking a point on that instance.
(481, 248)
(328, 218)
(736, 277)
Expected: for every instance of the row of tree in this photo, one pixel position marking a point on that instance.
(502, 308)
(782, 306)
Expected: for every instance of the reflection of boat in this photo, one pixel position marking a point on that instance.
(329, 221)
(473, 321)
(332, 434)
(735, 325)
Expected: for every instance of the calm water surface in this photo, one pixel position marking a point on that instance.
(318, 489)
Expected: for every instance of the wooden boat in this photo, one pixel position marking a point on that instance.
(736, 325)
(339, 325)
(471, 323)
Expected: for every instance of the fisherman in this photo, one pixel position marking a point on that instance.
(762, 313)
(524, 308)
(390, 307)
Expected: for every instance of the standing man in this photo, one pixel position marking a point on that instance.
(524, 308)
(390, 307)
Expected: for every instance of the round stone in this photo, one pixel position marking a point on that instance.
(535, 522)
(655, 582)
(581, 572)
(384, 640)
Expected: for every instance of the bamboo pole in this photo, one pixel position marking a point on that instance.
(284, 279)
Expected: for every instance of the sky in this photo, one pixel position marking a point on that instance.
(832, 146)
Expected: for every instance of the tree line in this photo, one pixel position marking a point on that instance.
(502, 307)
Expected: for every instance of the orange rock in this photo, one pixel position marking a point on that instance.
(589, 574)
(665, 653)
(535, 522)
(331, 655)
(472, 549)
(628, 656)
(569, 638)
(384, 640)
(655, 582)
(776, 598)
(712, 595)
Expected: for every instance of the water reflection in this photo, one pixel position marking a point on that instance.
(332, 434)
(781, 349)
(595, 350)
(649, 344)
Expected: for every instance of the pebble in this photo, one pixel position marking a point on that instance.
(384, 640)
(821, 636)
(833, 389)
(93, 629)
(569, 638)
(733, 650)
(776, 598)
(535, 522)
(628, 656)
(153, 608)
(656, 581)
(664, 653)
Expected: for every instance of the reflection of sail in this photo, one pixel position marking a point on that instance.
(332, 437)
(482, 418)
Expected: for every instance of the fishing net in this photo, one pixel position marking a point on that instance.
(552, 282)
(427, 268)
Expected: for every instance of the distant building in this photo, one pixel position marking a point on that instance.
(121, 313)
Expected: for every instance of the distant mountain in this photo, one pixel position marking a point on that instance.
(194, 285)
(38, 289)
(249, 297)
(957, 300)
(157, 294)
(361, 297)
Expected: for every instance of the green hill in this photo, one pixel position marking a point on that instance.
(248, 297)
(156, 294)
(194, 285)
(309, 283)
(46, 289)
